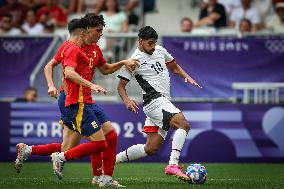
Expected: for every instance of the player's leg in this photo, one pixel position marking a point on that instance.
(24, 151)
(103, 164)
(155, 138)
(86, 124)
(70, 139)
(178, 122)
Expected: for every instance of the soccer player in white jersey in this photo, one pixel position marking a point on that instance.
(153, 77)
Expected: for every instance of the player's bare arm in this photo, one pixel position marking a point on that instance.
(130, 104)
(48, 72)
(130, 64)
(72, 75)
(176, 69)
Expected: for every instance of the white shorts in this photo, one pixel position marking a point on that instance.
(159, 114)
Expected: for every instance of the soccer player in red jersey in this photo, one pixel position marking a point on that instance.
(95, 60)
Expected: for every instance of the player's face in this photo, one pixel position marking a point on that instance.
(94, 34)
(148, 46)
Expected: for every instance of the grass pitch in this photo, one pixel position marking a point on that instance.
(142, 175)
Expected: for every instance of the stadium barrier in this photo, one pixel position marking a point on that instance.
(220, 132)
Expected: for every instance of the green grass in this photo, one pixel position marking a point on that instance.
(142, 175)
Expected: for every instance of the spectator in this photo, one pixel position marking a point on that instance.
(31, 26)
(52, 13)
(186, 25)
(276, 21)
(49, 28)
(212, 14)
(230, 5)
(30, 95)
(134, 11)
(90, 6)
(70, 6)
(245, 11)
(16, 9)
(116, 21)
(6, 26)
(245, 26)
(33, 4)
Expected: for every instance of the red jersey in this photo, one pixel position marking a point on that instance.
(59, 58)
(84, 68)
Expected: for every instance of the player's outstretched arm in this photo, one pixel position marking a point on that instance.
(130, 104)
(72, 75)
(176, 69)
(130, 64)
(48, 73)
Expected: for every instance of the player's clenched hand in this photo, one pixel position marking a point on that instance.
(98, 88)
(192, 81)
(131, 64)
(132, 106)
(52, 92)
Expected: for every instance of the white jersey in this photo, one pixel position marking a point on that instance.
(152, 75)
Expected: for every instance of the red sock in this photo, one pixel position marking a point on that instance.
(96, 160)
(85, 149)
(109, 155)
(46, 149)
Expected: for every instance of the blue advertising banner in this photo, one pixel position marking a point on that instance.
(19, 57)
(217, 62)
(219, 132)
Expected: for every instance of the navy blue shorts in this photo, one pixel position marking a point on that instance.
(83, 118)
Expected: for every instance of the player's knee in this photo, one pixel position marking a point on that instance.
(181, 124)
(186, 126)
(150, 151)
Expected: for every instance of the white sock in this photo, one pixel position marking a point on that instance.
(177, 144)
(61, 156)
(133, 152)
(28, 150)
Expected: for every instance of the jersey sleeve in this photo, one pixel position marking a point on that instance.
(71, 57)
(168, 57)
(101, 59)
(124, 74)
(59, 54)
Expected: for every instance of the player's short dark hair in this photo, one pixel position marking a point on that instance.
(75, 24)
(147, 32)
(94, 20)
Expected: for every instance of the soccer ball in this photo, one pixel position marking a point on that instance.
(197, 173)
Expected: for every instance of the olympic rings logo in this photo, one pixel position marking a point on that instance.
(275, 46)
(13, 46)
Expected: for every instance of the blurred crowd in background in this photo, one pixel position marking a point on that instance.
(46, 16)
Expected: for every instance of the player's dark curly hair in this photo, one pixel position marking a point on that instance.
(93, 20)
(147, 32)
(75, 24)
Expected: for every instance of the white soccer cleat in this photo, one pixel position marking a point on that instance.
(96, 180)
(109, 182)
(57, 165)
(23, 153)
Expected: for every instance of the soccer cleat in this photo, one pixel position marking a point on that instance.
(96, 180)
(176, 171)
(57, 164)
(23, 154)
(110, 183)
